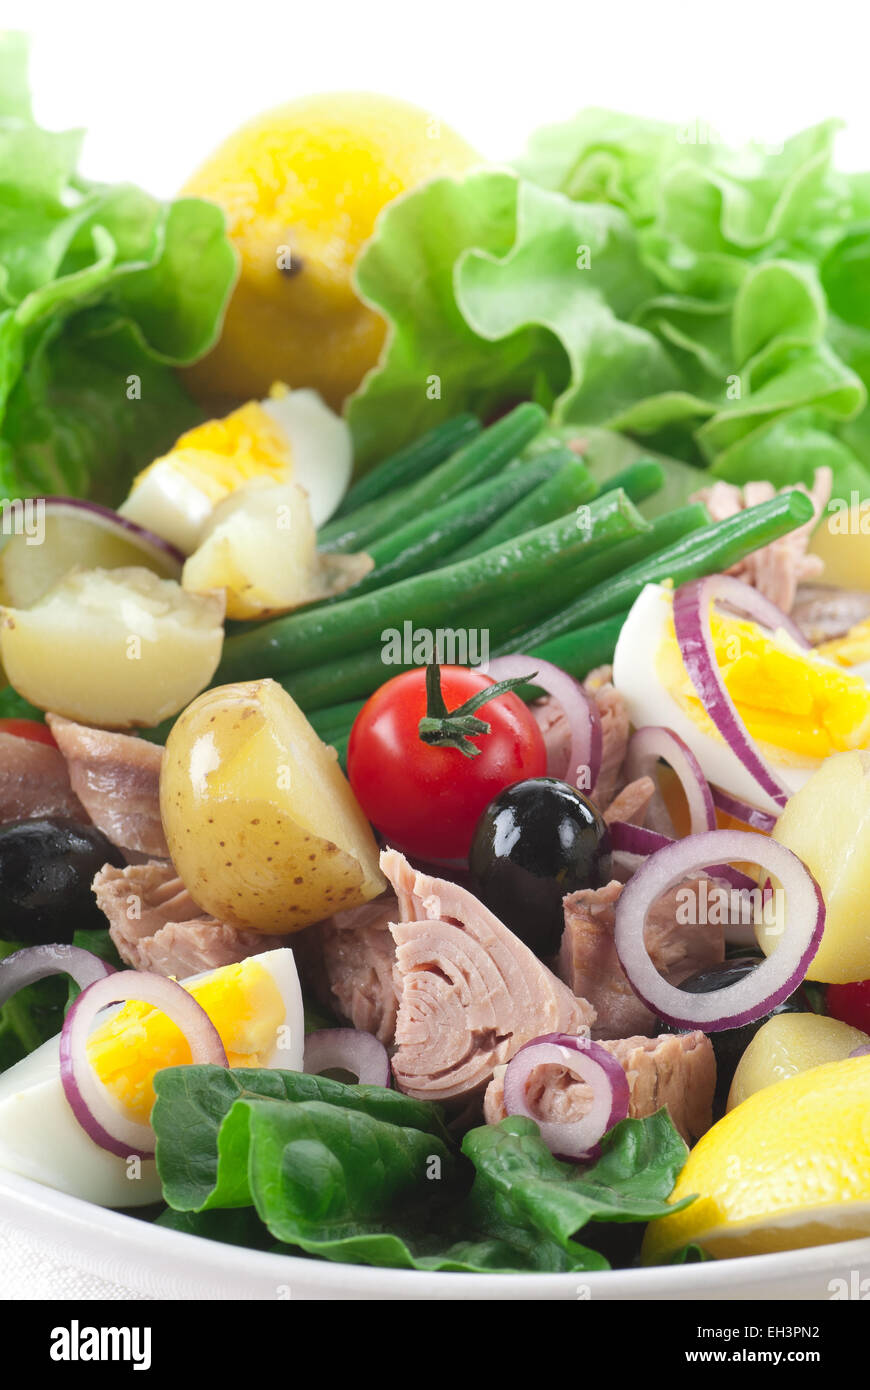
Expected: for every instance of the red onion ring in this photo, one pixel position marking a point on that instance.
(636, 841)
(349, 1049)
(589, 1062)
(692, 603)
(742, 811)
(94, 1109)
(580, 710)
(860, 1051)
(122, 526)
(774, 979)
(653, 742)
(34, 963)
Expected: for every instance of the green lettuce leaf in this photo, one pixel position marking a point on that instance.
(103, 290)
(498, 290)
(367, 1175)
(522, 1193)
(710, 303)
(198, 1154)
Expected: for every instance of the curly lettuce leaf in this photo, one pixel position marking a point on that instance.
(498, 290)
(102, 291)
(644, 278)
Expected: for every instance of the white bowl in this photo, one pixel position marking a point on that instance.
(57, 1247)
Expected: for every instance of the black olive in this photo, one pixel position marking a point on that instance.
(729, 1044)
(535, 842)
(46, 870)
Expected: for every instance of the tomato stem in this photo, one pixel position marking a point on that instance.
(444, 728)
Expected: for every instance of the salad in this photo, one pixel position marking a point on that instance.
(435, 770)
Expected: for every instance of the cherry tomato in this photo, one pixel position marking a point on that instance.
(28, 728)
(426, 798)
(850, 1004)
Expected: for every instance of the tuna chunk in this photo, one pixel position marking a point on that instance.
(614, 742)
(823, 613)
(588, 963)
(556, 733)
(347, 962)
(776, 569)
(156, 925)
(614, 736)
(677, 1071)
(631, 803)
(470, 992)
(117, 779)
(34, 782)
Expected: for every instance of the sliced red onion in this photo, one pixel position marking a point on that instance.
(348, 1049)
(861, 1051)
(742, 811)
(634, 842)
(692, 603)
(34, 963)
(581, 711)
(148, 542)
(589, 1062)
(89, 1101)
(650, 744)
(774, 979)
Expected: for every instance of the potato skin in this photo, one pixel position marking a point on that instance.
(261, 823)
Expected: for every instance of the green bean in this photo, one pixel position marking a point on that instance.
(480, 459)
(537, 562)
(536, 606)
(416, 459)
(717, 547)
(641, 479)
(334, 720)
(554, 497)
(347, 679)
(425, 542)
(578, 652)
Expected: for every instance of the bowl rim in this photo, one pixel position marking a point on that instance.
(139, 1245)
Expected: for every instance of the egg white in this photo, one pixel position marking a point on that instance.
(289, 1047)
(321, 446)
(318, 441)
(636, 677)
(169, 504)
(41, 1139)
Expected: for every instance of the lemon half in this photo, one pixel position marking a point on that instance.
(301, 187)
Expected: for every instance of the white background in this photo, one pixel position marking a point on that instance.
(159, 82)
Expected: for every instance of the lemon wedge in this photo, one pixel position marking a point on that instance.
(788, 1168)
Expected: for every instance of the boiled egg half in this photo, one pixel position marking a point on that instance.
(256, 1006)
(291, 437)
(798, 706)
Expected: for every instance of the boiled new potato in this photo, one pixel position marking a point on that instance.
(842, 541)
(790, 1043)
(827, 825)
(116, 648)
(260, 547)
(261, 823)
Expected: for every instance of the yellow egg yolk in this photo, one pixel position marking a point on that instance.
(243, 1002)
(787, 698)
(851, 650)
(220, 455)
